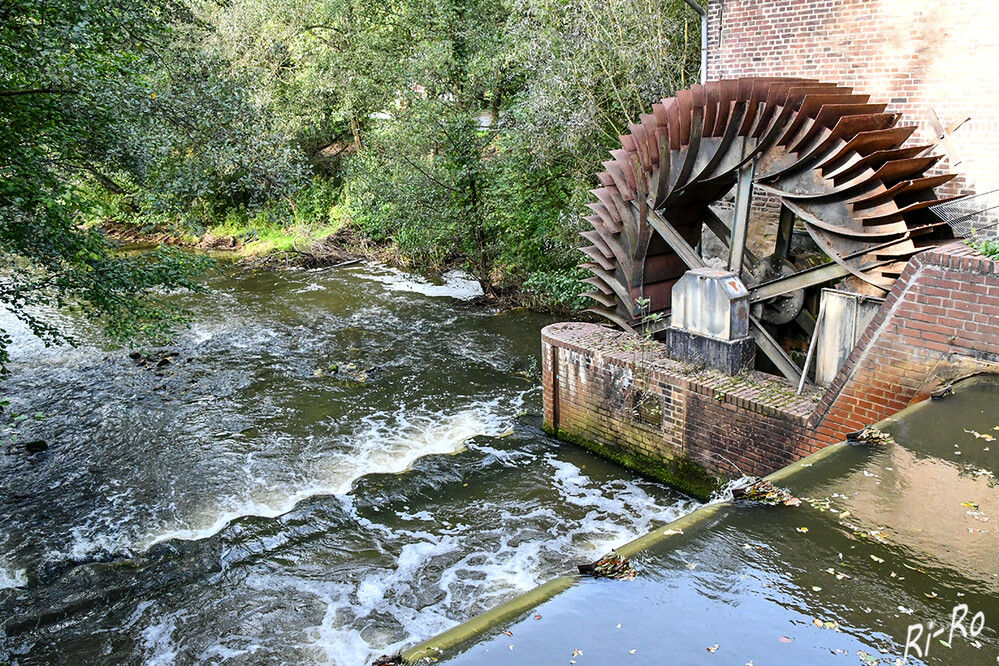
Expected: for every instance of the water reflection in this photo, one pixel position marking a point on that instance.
(885, 539)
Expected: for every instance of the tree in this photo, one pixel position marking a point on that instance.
(69, 72)
(594, 66)
(321, 67)
(558, 80)
(426, 173)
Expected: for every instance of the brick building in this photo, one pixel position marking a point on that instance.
(912, 54)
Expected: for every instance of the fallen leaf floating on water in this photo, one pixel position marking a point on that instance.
(826, 625)
(712, 649)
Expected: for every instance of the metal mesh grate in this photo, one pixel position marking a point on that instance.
(975, 217)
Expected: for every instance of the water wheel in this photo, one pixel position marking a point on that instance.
(825, 155)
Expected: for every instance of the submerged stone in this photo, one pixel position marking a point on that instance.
(36, 446)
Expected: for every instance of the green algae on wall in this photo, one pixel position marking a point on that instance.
(679, 472)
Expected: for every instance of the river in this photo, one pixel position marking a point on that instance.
(327, 466)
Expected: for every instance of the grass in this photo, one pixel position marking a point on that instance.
(265, 233)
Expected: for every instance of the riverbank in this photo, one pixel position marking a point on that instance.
(263, 247)
(299, 246)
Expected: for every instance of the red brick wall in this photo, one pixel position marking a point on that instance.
(943, 310)
(911, 54)
(942, 313)
(593, 376)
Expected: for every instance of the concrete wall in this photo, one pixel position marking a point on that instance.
(911, 54)
(614, 390)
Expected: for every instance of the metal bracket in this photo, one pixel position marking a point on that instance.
(740, 220)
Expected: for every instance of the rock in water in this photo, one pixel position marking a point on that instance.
(386, 660)
(36, 446)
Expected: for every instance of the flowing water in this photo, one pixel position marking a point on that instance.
(892, 558)
(327, 466)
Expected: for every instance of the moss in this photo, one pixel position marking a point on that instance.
(681, 472)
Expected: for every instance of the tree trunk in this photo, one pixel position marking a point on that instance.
(355, 129)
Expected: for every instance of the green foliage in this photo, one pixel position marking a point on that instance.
(592, 66)
(71, 73)
(988, 248)
(488, 160)
(559, 288)
(321, 67)
(467, 133)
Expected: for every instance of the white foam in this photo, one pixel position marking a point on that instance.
(11, 578)
(387, 444)
(613, 518)
(456, 284)
(158, 642)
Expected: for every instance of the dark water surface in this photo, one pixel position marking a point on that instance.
(885, 539)
(241, 502)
